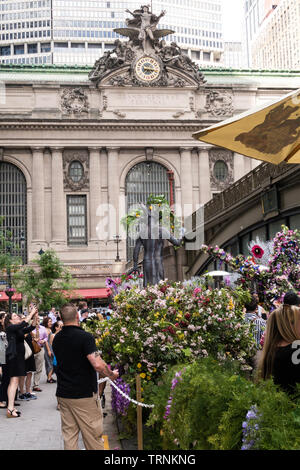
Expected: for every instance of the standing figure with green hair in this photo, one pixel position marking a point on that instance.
(151, 237)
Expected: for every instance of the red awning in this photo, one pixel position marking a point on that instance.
(102, 293)
(15, 298)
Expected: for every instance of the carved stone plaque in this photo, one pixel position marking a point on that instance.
(226, 156)
(81, 156)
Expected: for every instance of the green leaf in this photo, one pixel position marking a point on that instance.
(187, 352)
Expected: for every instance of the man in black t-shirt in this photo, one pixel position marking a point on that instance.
(77, 363)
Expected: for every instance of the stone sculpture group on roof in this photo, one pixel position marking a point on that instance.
(145, 40)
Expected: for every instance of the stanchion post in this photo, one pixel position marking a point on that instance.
(139, 413)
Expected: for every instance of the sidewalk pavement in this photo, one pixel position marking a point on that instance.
(39, 426)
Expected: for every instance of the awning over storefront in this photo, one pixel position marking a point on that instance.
(101, 293)
(15, 298)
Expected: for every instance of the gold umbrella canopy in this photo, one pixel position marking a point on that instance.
(270, 133)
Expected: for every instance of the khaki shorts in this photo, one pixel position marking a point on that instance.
(81, 415)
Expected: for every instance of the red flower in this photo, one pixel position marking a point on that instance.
(171, 330)
(187, 316)
(163, 289)
(257, 251)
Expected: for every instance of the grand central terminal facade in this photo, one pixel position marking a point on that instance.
(79, 146)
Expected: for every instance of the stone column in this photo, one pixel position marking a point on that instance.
(113, 189)
(95, 189)
(58, 209)
(186, 180)
(38, 195)
(204, 176)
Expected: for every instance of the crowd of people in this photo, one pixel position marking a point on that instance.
(26, 351)
(68, 352)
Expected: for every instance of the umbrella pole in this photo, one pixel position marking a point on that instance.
(139, 413)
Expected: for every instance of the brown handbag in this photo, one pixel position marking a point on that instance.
(36, 347)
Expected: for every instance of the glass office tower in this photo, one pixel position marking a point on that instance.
(77, 32)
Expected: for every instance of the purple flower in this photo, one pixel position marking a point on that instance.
(109, 282)
(120, 403)
(250, 428)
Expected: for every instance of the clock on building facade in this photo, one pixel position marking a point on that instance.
(147, 69)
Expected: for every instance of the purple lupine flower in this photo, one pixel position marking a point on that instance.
(250, 428)
(119, 403)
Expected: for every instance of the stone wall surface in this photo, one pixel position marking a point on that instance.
(50, 117)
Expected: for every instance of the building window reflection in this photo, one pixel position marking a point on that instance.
(220, 170)
(77, 220)
(76, 171)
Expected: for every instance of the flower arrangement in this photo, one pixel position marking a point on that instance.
(280, 275)
(156, 327)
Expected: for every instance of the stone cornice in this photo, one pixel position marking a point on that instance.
(180, 126)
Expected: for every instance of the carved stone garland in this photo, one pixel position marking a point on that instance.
(219, 104)
(81, 156)
(74, 101)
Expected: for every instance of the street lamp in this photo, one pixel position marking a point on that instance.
(9, 291)
(117, 240)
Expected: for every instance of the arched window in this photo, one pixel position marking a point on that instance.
(142, 180)
(220, 170)
(13, 206)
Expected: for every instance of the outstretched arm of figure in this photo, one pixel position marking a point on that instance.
(167, 235)
(128, 11)
(174, 241)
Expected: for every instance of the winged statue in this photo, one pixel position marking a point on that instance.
(143, 26)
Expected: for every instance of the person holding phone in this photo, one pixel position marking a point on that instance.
(78, 362)
(16, 328)
(40, 335)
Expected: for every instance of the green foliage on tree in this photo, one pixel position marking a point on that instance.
(8, 260)
(48, 283)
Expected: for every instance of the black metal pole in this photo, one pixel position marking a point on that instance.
(9, 293)
(117, 241)
(9, 286)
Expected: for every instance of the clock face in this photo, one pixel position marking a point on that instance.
(147, 69)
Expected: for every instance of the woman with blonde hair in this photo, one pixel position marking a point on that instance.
(280, 356)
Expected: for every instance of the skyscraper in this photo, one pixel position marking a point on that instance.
(234, 55)
(254, 14)
(277, 43)
(78, 32)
